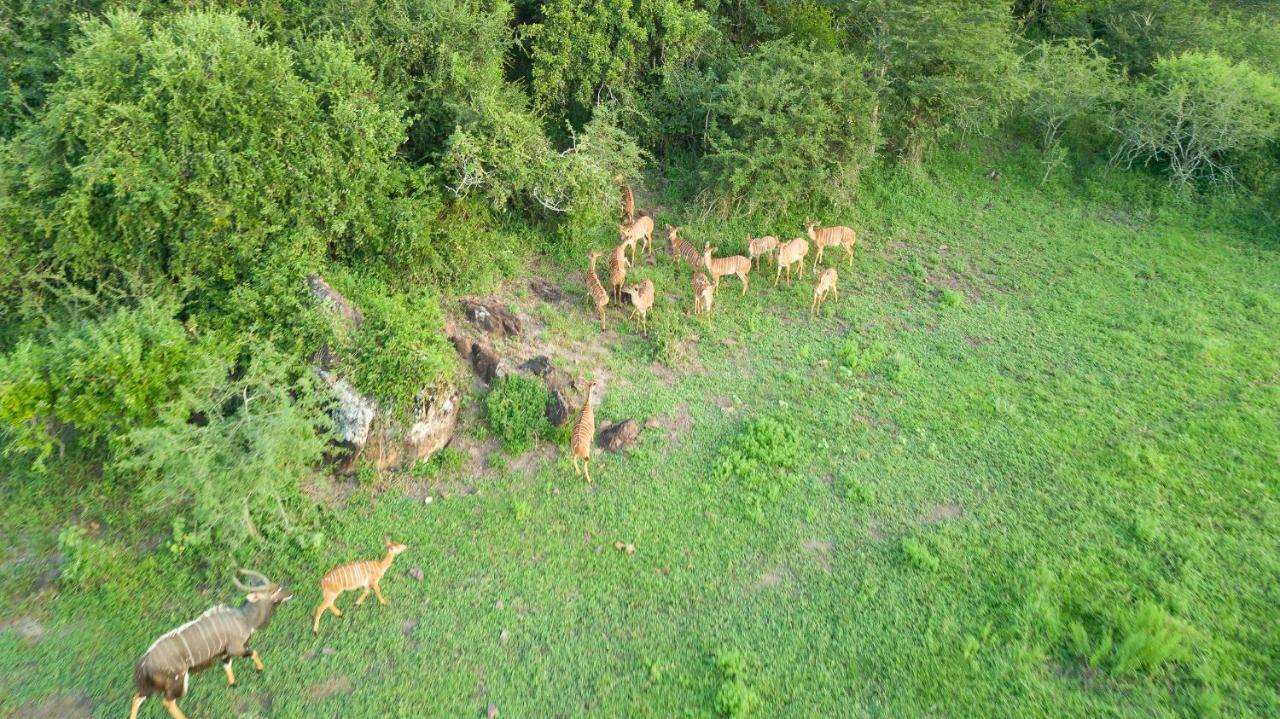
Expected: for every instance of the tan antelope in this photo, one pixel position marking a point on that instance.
(758, 247)
(721, 266)
(682, 249)
(641, 302)
(824, 237)
(365, 574)
(219, 634)
(618, 263)
(596, 292)
(641, 229)
(584, 433)
(826, 284)
(790, 253)
(628, 200)
(703, 295)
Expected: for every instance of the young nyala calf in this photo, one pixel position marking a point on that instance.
(365, 574)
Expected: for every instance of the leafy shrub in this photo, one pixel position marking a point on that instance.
(939, 66)
(444, 461)
(919, 555)
(1152, 638)
(1067, 84)
(87, 562)
(951, 298)
(86, 381)
(235, 468)
(790, 121)
(735, 697)
(759, 459)
(516, 408)
(1196, 115)
(196, 152)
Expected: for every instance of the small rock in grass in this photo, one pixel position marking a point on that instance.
(653, 423)
(623, 547)
(502, 638)
(416, 573)
(499, 604)
(428, 500)
(619, 436)
(493, 711)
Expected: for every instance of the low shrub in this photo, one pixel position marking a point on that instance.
(759, 459)
(1152, 638)
(919, 555)
(735, 697)
(516, 408)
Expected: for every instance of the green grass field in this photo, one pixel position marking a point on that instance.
(1030, 415)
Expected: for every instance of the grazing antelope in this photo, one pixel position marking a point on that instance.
(584, 433)
(628, 200)
(721, 266)
(825, 237)
(789, 254)
(595, 290)
(642, 228)
(703, 294)
(758, 247)
(364, 574)
(618, 263)
(826, 284)
(641, 302)
(219, 634)
(682, 249)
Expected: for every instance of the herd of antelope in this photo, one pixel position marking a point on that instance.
(635, 234)
(223, 632)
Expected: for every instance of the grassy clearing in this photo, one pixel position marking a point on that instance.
(1036, 467)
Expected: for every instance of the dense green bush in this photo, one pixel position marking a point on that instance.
(195, 152)
(759, 458)
(939, 66)
(789, 123)
(1068, 87)
(516, 408)
(1196, 115)
(83, 382)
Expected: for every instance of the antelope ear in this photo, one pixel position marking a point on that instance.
(386, 539)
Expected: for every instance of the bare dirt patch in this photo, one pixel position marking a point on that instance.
(943, 513)
(67, 705)
(876, 531)
(339, 684)
(821, 550)
(771, 578)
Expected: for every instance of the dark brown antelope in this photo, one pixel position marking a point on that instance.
(365, 574)
(758, 247)
(584, 433)
(682, 249)
(595, 291)
(221, 633)
(721, 266)
(826, 283)
(790, 253)
(824, 237)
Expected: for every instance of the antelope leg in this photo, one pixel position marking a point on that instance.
(231, 674)
(174, 711)
(257, 660)
(378, 591)
(137, 702)
(360, 599)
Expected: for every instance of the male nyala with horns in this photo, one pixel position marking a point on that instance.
(221, 633)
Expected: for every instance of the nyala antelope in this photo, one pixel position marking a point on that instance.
(595, 291)
(641, 229)
(826, 284)
(682, 249)
(219, 634)
(628, 200)
(618, 263)
(824, 237)
(641, 302)
(758, 247)
(789, 253)
(721, 266)
(584, 433)
(703, 295)
(365, 574)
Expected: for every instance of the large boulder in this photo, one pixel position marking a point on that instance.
(491, 316)
(620, 436)
(370, 432)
